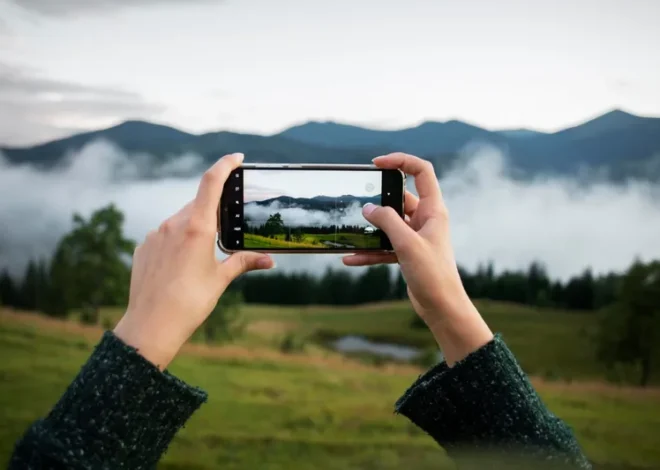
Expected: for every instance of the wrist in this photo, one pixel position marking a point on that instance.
(458, 327)
(157, 348)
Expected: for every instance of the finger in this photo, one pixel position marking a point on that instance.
(243, 262)
(210, 188)
(369, 259)
(397, 230)
(425, 179)
(410, 203)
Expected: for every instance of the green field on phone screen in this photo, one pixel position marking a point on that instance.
(313, 241)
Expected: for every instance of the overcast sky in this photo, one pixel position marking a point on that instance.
(262, 65)
(267, 184)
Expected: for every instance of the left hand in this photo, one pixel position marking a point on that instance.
(176, 279)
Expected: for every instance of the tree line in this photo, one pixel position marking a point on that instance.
(339, 287)
(90, 268)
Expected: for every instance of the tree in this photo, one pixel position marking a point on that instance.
(336, 288)
(34, 288)
(90, 266)
(538, 285)
(274, 225)
(579, 292)
(400, 287)
(45, 294)
(225, 323)
(297, 235)
(374, 285)
(630, 328)
(8, 290)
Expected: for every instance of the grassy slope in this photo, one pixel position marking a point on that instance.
(555, 344)
(277, 414)
(548, 342)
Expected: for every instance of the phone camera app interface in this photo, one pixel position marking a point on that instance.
(309, 209)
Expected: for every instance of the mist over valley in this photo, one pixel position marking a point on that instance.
(567, 222)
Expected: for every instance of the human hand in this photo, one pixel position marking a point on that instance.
(176, 279)
(422, 247)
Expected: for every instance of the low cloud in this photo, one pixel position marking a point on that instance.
(567, 225)
(299, 217)
(33, 107)
(59, 8)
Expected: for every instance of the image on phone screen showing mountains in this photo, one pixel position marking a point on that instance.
(320, 222)
(309, 209)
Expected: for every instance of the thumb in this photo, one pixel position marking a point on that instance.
(386, 219)
(243, 262)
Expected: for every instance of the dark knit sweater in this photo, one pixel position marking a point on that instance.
(121, 412)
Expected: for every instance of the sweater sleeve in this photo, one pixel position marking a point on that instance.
(120, 411)
(484, 407)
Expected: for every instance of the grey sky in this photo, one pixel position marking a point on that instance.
(74, 7)
(262, 65)
(266, 184)
(31, 104)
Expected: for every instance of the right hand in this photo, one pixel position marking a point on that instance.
(422, 247)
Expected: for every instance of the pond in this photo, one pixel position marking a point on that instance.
(337, 245)
(359, 344)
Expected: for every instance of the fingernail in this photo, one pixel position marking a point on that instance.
(265, 263)
(239, 156)
(374, 159)
(368, 208)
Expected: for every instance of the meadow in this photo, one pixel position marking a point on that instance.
(532, 333)
(312, 241)
(316, 409)
(251, 240)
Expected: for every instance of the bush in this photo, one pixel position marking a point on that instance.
(292, 343)
(107, 323)
(417, 322)
(89, 316)
(225, 323)
(427, 357)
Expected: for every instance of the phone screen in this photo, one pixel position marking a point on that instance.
(306, 209)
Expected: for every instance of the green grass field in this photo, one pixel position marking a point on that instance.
(298, 413)
(549, 343)
(251, 240)
(314, 241)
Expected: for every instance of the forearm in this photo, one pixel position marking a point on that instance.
(457, 327)
(485, 407)
(119, 412)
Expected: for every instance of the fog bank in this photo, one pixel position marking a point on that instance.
(566, 225)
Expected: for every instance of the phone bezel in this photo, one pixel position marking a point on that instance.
(309, 166)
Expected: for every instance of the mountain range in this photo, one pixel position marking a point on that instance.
(618, 144)
(321, 203)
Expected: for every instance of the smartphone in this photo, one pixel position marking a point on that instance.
(306, 208)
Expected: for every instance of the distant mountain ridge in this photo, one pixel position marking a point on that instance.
(321, 203)
(619, 143)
